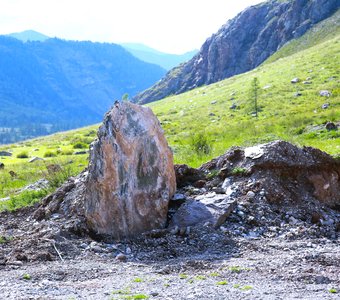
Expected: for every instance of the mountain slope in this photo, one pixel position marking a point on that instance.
(58, 85)
(165, 60)
(203, 123)
(242, 44)
(29, 35)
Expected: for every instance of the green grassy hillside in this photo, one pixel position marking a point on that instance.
(201, 124)
(204, 114)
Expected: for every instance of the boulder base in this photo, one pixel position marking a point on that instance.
(131, 174)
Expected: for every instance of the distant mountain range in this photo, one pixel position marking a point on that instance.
(165, 60)
(29, 35)
(141, 51)
(242, 44)
(52, 85)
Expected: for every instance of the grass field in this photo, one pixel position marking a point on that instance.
(201, 124)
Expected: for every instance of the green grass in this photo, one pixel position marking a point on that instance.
(61, 145)
(281, 116)
(224, 282)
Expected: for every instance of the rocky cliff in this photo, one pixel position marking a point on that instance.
(242, 44)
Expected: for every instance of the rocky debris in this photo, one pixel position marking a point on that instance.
(186, 175)
(325, 93)
(36, 186)
(233, 50)
(325, 105)
(5, 153)
(131, 174)
(272, 192)
(35, 158)
(295, 80)
(331, 126)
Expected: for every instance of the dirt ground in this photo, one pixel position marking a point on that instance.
(205, 263)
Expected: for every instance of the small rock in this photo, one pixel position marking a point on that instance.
(128, 251)
(212, 115)
(154, 294)
(297, 94)
(292, 220)
(5, 153)
(17, 263)
(121, 257)
(331, 126)
(200, 183)
(322, 280)
(35, 158)
(251, 195)
(233, 106)
(325, 105)
(213, 102)
(325, 93)
(178, 197)
(226, 183)
(295, 80)
(80, 152)
(267, 87)
(307, 82)
(174, 230)
(219, 190)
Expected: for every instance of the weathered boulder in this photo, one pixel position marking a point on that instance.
(131, 174)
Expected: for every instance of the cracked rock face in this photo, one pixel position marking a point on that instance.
(131, 174)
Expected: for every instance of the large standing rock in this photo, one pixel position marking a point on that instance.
(131, 174)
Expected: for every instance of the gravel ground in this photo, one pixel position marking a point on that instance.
(260, 269)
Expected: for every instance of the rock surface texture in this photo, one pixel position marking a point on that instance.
(242, 44)
(131, 174)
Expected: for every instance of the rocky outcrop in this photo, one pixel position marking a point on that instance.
(131, 174)
(242, 44)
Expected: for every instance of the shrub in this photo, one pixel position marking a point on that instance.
(22, 154)
(67, 152)
(80, 145)
(200, 144)
(49, 153)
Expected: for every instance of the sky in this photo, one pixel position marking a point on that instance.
(172, 26)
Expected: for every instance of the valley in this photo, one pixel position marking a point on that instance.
(225, 184)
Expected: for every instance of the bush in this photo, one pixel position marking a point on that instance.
(66, 152)
(80, 145)
(200, 144)
(22, 154)
(49, 153)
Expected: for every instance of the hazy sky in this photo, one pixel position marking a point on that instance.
(173, 26)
